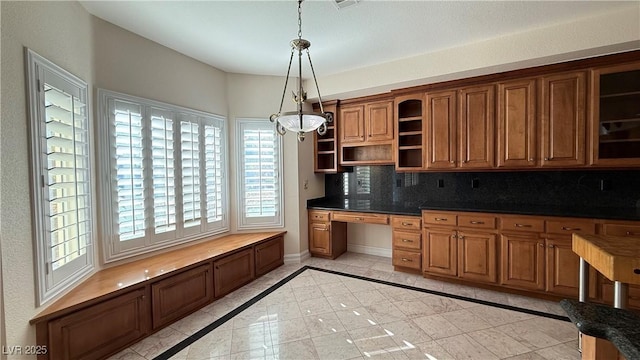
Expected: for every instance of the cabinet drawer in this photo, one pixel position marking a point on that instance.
(319, 215)
(439, 219)
(477, 221)
(406, 222)
(407, 240)
(407, 259)
(530, 224)
(621, 230)
(569, 226)
(365, 218)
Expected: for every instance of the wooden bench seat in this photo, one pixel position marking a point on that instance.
(148, 294)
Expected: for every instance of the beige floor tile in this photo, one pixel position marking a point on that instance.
(296, 350)
(374, 340)
(284, 311)
(406, 332)
(464, 347)
(527, 356)
(257, 314)
(217, 343)
(253, 337)
(288, 330)
(356, 318)
(465, 320)
(357, 285)
(158, 343)
(385, 312)
(436, 326)
(315, 306)
(428, 350)
(334, 289)
(343, 301)
(253, 354)
(497, 316)
(528, 335)
(414, 308)
(399, 294)
(127, 354)
(336, 346)
(439, 304)
(499, 343)
(369, 297)
(560, 352)
(562, 331)
(194, 322)
(323, 324)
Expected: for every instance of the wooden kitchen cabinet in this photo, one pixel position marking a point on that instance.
(477, 254)
(378, 119)
(233, 271)
(476, 127)
(352, 124)
(101, 329)
(326, 239)
(441, 129)
(562, 267)
(440, 251)
(517, 124)
(269, 255)
(326, 147)
(366, 133)
(410, 142)
(406, 243)
(181, 294)
(522, 260)
(615, 116)
(564, 114)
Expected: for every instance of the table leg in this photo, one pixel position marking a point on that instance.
(620, 295)
(583, 294)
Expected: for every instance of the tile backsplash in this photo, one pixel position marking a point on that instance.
(596, 188)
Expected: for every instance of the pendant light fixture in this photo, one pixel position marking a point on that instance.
(300, 121)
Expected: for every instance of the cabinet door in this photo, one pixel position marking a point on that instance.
(269, 255)
(476, 122)
(181, 294)
(351, 124)
(441, 130)
(522, 261)
(562, 267)
(563, 120)
(233, 271)
(440, 251)
(615, 114)
(477, 256)
(101, 329)
(517, 123)
(379, 121)
(320, 238)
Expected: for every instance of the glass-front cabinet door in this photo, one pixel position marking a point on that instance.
(616, 115)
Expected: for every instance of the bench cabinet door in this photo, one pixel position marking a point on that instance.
(181, 294)
(233, 271)
(269, 255)
(101, 329)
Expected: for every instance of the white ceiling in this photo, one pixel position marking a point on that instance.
(253, 36)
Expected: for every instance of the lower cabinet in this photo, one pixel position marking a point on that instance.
(563, 264)
(522, 261)
(101, 329)
(181, 294)
(477, 256)
(269, 255)
(233, 271)
(406, 243)
(440, 251)
(326, 239)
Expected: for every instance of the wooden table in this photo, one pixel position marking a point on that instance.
(618, 259)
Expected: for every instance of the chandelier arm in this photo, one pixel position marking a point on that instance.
(286, 81)
(313, 73)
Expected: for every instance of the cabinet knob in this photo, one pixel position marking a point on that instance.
(541, 244)
(461, 237)
(359, 219)
(454, 236)
(477, 222)
(407, 260)
(551, 246)
(407, 240)
(630, 233)
(530, 159)
(522, 225)
(440, 219)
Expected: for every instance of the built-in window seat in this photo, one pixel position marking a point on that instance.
(120, 305)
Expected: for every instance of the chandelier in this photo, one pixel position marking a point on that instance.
(300, 121)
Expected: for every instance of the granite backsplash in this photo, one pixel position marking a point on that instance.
(593, 188)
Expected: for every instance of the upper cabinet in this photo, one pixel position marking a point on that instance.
(326, 147)
(476, 124)
(366, 133)
(516, 135)
(441, 129)
(564, 117)
(616, 115)
(409, 125)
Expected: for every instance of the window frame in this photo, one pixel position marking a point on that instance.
(48, 285)
(277, 221)
(113, 250)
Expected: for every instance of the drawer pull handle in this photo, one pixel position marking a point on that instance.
(541, 244)
(407, 224)
(407, 260)
(630, 233)
(441, 219)
(407, 240)
(570, 229)
(477, 222)
(523, 225)
(359, 218)
(636, 271)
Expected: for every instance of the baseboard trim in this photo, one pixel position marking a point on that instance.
(369, 250)
(296, 258)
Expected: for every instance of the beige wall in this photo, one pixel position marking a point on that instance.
(61, 32)
(610, 32)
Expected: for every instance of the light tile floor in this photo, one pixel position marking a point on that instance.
(319, 315)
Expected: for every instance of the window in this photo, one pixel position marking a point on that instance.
(61, 167)
(165, 168)
(259, 180)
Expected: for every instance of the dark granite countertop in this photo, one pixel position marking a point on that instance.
(415, 208)
(620, 326)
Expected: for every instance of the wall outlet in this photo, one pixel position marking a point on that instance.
(440, 183)
(305, 184)
(475, 183)
(605, 184)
